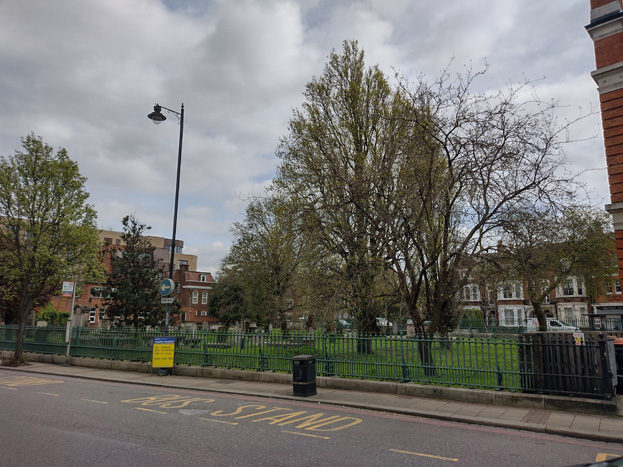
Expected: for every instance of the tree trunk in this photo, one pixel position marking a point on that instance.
(24, 308)
(364, 344)
(425, 347)
(19, 343)
(367, 329)
(538, 311)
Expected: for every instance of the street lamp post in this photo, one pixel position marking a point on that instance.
(156, 116)
(190, 299)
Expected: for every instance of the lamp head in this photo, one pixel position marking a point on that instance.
(157, 116)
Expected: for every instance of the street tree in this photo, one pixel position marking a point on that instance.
(470, 160)
(48, 231)
(329, 162)
(134, 298)
(418, 178)
(227, 301)
(266, 254)
(544, 248)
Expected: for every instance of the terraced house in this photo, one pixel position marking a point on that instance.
(506, 304)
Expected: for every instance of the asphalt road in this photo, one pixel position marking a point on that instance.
(58, 421)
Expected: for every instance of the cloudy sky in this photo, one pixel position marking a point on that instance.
(84, 74)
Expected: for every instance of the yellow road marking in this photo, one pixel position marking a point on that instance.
(425, 455)
(97, 402)
(26, 381)
(602, 456)
(306, 434)
(49, 394)
(218, 421)
(170, 401)
(10, 389)
(149, 410)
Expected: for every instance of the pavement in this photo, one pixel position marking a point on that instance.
(607, 427)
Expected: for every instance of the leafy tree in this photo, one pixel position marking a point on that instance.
(546, 247)
(416, 178)
(10, 300)
(134, 280)
(469, 161)
(265, 256)
(227, 301)
(329, 163)
(53, 316)
(47, 230)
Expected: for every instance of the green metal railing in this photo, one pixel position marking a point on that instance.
(514, 363)
(457, 361)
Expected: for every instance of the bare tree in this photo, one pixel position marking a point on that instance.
(418, 179)
(544, 247)
(470, 160)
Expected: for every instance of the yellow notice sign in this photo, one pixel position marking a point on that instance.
(163, 352)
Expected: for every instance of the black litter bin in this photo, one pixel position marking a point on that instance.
(618, 353)
(304, 375)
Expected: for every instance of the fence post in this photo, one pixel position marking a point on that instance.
(497, 366)
(608, 388)
(328, 367)
(403, 365)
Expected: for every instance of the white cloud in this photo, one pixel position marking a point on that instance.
(84, 74)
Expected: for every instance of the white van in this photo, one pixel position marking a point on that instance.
(552, 325)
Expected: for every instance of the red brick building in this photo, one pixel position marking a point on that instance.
(193, 292)
(606, 30)
(192, 286)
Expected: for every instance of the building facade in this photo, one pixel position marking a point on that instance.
(193, 292)
(192, 286)
(606, 30)
(508, 305)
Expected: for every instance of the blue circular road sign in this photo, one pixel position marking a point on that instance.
(166, 287)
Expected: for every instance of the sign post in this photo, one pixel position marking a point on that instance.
(163, 353)
(167, 286)
(69, 290)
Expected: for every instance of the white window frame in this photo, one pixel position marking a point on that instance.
(515, 289)
(517, 313)
(470, 292)
(572, 284)
(195, 299)
(204, 298)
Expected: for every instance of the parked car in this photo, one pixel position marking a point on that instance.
(383, 323)
(343, 324)
(552, 325)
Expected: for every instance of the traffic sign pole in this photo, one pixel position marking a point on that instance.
(167, 286)
(70, 321)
